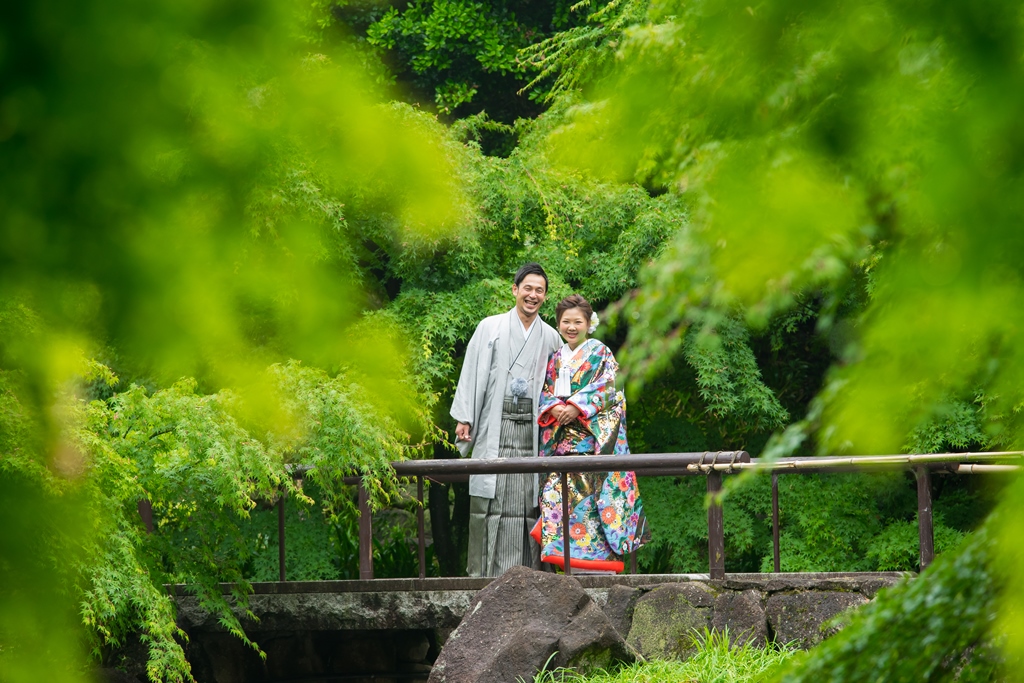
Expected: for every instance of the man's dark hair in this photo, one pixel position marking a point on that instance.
(530, 269)
(573, 301)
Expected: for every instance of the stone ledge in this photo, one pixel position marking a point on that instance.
(373, 586)
(739, 581)
(381, 611)
(440, 603)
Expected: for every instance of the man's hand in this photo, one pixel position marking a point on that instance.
(568, 414)
(462, 432)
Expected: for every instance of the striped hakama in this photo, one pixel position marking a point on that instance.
(499, 527)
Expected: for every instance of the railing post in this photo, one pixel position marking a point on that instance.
(925, 531)
(365, 535)
(422, 533)
(775, 522)
(716, 529)
(146, 513)
(566, 551)
(280, 536)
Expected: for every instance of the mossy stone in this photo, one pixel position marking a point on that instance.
(665, 618)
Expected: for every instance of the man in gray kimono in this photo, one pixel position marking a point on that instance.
(495, 406)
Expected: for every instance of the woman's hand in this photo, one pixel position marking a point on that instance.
(568, 413)
(556, 412)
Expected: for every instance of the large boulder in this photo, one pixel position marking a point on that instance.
(619, 606)
(522, 620)
(742, 613)
(802, 617)
(665, 617)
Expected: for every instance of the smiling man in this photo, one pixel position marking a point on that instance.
(495, 406)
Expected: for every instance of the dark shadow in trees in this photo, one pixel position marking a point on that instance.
(449, 520)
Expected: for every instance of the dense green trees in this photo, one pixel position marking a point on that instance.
(465, 56)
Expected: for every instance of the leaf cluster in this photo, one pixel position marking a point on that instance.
(205, 463)
(466, 54)
(576, 56)
(933, 628)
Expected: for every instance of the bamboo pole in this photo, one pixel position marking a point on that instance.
(925, 528)
(982, 469)
(776, 551)
(855, 460)
(566, 550)
(365, 535)
(716, 529)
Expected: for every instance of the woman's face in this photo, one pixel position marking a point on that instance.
(573, 327)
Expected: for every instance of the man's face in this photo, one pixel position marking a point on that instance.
(529, 294)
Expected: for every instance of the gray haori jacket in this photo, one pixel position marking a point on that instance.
(483, 381)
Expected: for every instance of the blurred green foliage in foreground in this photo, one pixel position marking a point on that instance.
(159, 170)
(815, 140)
(826, 146)
(145, 148)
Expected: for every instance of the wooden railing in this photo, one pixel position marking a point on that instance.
(712, 465)
(709, 464)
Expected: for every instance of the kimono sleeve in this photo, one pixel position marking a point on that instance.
(548, 400)
(466, 401)
(599, 391)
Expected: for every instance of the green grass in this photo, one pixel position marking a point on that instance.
(714, 662)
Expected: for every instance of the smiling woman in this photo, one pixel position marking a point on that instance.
(582, 412)
(573, 325)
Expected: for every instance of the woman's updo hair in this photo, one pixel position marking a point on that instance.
(574, 301)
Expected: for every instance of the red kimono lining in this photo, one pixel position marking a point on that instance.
(604, 565)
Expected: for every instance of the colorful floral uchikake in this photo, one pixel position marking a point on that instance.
(606, 512)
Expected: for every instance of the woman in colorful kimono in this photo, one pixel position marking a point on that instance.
(582, 413)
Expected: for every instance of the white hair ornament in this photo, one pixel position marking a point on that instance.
(594, 322)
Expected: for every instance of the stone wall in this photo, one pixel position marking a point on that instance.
(351, 636)
(658, 618)
(355, 631)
